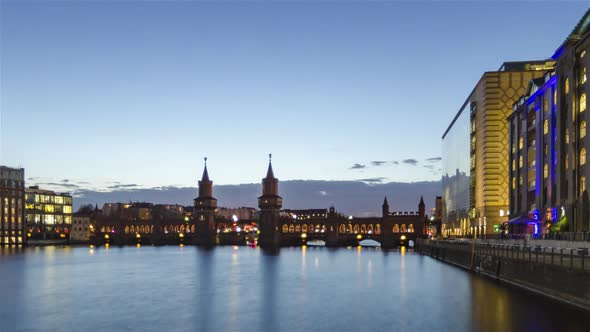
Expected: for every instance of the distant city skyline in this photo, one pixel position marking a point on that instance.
(107, 96)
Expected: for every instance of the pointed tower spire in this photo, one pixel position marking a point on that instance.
(269, 173)
(205, 173)
(385, 207)
(205, 185)
(422, 207)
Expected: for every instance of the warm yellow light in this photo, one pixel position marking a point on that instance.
(185, 218)
(358, 237)
(303, 235)
(181, 235)
(28, 234)
(106, 236)
(403, 237)
(62, 235)
(137, 235)
(139, 245)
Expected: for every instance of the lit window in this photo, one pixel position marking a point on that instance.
(513, 183)
(554, 96)
(567, 86)
(582, 129)
(545, 171)
(513, 165)
(583, 75)
(520, 180)
(520, 142)
(567, 160)
(583, 156)
(582, 184)
(583, 102)
(567, 136)
(546, 126)
(520, 162)
(582, 54)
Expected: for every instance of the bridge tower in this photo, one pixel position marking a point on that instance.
(422, 207)
(270, 204)
(332, 224)
(385, 208)
(387, 223)
(204, 212)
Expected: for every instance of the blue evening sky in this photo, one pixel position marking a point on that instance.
(138, 92)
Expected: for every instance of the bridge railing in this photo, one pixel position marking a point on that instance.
(558, 236)
(570, 258)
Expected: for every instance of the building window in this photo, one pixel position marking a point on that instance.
(583, 156)
(514, 165)
(545, 171)
(554, 96)
(520, 162)
(513, 183)
(520, 142)
(582, 183)
(567, 160)
(582, 129)
(583, 74)
(567, 86)
(583, 102)
(546, 126)
(520, 180)
(567, 136)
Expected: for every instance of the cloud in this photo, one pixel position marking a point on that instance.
(65, 180)
(395, 162)
(122, 186)
(378, 163)
(357, 166)
(434, 160)
(413, 162)
(373, 180)
(323, 193)
(429, 166)
(349, 197)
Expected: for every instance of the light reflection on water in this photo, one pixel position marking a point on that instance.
(250, 289)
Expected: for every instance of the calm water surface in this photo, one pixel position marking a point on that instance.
(247, 289)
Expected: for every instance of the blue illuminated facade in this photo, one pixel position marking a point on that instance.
(549, 144)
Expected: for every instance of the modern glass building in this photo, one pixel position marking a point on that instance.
(475, 152)
(48, 214)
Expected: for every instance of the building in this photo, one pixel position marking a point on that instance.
(130, 211)
(48, 214)
(241, 213)
(82, 227)
(12, 212)
(548, 143)
(475, 151)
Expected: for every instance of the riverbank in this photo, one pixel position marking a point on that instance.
(558, 273)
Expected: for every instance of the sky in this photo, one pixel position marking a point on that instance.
(115, 93)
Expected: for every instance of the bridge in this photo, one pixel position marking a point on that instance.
(274, 227)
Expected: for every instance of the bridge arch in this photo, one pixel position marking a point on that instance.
(403, 228)
(285, 228)
(291, 228)
(395, 228)
(378, 229)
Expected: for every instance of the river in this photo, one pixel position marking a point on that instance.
(247, 289)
